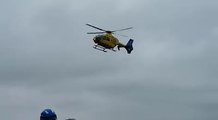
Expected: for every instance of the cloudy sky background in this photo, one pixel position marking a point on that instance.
(47, 60)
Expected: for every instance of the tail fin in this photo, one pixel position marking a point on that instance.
(128, 46)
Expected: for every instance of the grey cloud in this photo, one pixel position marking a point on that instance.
(47, 60)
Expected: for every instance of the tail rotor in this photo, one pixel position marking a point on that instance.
(129, 46)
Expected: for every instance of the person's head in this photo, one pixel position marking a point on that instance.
(48, 114)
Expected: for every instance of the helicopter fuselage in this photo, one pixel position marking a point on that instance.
(108, 41)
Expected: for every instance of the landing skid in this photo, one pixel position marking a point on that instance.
(98, 47)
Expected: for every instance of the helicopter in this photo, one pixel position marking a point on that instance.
(105, 40)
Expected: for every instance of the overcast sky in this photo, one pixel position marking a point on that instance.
(47, 60)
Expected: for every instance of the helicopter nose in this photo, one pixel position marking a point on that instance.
(95, 40)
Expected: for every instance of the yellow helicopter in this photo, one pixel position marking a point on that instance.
(105, 40)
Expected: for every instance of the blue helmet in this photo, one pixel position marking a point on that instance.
(48, 114)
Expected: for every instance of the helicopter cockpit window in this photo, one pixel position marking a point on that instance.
(97, 37)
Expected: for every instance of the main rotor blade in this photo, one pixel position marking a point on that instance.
(122, 29)
(95, 32)
(96, 27)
